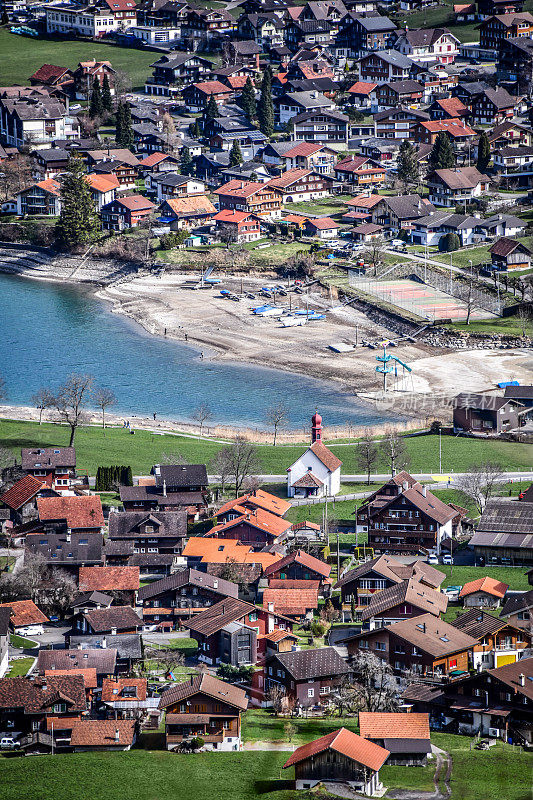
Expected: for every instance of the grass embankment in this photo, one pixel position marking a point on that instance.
(94, 448)
(504, 326)
(7, 563)
(19, 666)
(262, 726)
(21, 57)
(22, 642)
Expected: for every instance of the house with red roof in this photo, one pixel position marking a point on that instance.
(483, 593)
(103, 188)
(256, 528)
(25, 617)
(316, 156)
(197, 95)
(251, 196)
(40, 199)
(238, 226)
(53, 76)
(76, 514)
(157, 162)
(295, 599)
(121, 582)
(405, 736)
(459, 132)
(360, 172)
(301, 567)
(339, 757)
(359, 93)
(300, 184)
(21, 499)
(126, 212)
(448, 108)
(322, 227)
(87, 71)
(317, 472)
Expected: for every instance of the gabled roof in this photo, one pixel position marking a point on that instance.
(453, 127)
(37, 695)
(362, 87)
(258, 499)
(386, 725)
(425, 37)
(211, 87)
(290, 176)
(461, 177)
(302, 558)
(22, 492)
(193, 205)
(237, 188)
(43, 457)
(78, 512)
(432, 635)
(258, 518)
(346, 743)
(517, 603)
(134, 202)
(324, 454)
(308, 481)
(102, 732)
(156, 158)
(88, 674)
(323, 224)
(113, 688)
(106, 619)
(25, 612)
(487, 585)
(103, 660)
(109, 579)
(292, 601)
(316, 663)
(510, 674)
(102, 183)
(48, 72)
(220, 614)
(187, 577)
(452, 106)
(206, 684)
(478, 623)
(505, 246)
(409, 591)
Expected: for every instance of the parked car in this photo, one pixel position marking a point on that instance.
(447, 559)
(31, 630)
(8, 741)
(433, 560)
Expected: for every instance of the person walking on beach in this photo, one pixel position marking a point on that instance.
(154, 415)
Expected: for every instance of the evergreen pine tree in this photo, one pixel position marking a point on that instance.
(127, 129)
(483, 152)
(211, 110)
(407, 164)
(78, 221)
(96, 105)
(235, 155)
(186, 163)
(107, 100)
(247, 99)
(442, 155)
(265, 108)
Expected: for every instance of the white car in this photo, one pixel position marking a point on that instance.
(8, 741)
(433, 560)
(447, 559)
(30, 630)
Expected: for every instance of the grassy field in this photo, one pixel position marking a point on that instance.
(514, 577)
(141, 451)
(326, 205)
(438, 16)
(21, 57)
(262, 726)
(19, 667)
(276, 254)
(22, 642)
(506, 326)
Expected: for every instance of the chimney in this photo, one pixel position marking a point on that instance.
(117, 735)
(522, 679)
(271, 607)
(192, 679)
(223, 610)
(68, 537)
(405, 486)
(424, 491)
(164, 488)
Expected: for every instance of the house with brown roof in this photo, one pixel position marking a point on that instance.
(403, 516)
(81, 514)
(53, 76)
(55, 466)
(25, 617)
(300, 566)
(126, 212)
(499, 642)
(403, 600)
(204, 707)
(405, 736)
(483, 593)
(310, 155)
(301, 184)
(188, 212)
(339, 757)
(518, 610)
(308, 677)
(121, 582)
(102, 660)
(360, 172)
(256, 528)
(96, 735)
(21, 499)
(360, 585)
(487, 413)
(197, 95)
(115, 620)
(317, 472)
(457, 130)
(41, 199)
(425, 645)
(124, 697)
(451, 187)
(506, 254)
(27, 703)
(448, 108)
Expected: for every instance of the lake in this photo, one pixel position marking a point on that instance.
(48, 331)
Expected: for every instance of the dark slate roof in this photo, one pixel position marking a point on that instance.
(478, 623)
(117, 547)
(151, 559)
(407, 745)
(91, 597)
(519, 392)
(206, 684)
(182, 475)
(126, 524)
(125, 645)
(409, 591)
(306, 664)
(56, 550)
(48, 456)
(37, 695)
(519, 602)
(220, 614)
(186, 577)
(375, 24)
(119, 617)
(507, 516)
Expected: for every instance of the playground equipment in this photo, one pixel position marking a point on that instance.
(389, 364)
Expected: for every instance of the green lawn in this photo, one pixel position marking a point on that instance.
(21, 57)
(514, 577)
(6, 563)
(145, 449)
(438, 16)
(326, 205)
(506, 326)
(420, 778)
(260, 726)
(188, 647)
(22, 642)
(19, 667)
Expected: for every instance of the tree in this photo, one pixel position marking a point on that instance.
(483, 152)
(103, 399)
(235, 155)
(442, 155)
(524, 320)
(201, 415)
(480, 481)
(408, 171)
(186, 162)
(96, 104)
(367, 454)
(247, 99)
(289, 729)
(71, 400)
(220, 465)
(466, 294)
(211, 109)
(277, 416)
(78, 221)
(449, 242)
(242, 462)
(15, 175)
(276, 697)
(376, 688)
(265, 108)
(124, 131)
(42, 399)
(375, 252)
(344, 696)
(107, 98)
(394, 451)
(167, 123)
(121, 83)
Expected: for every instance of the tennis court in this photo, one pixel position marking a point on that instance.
(418, 298)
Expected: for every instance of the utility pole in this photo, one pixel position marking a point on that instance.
(440, 450)
(338, 555)
(451, 265)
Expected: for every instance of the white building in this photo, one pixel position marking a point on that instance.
(317, 473)
(84, 20)
(155, 35)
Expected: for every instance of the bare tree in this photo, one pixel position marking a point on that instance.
(466, 294)
(277, 415)
(71, 400)
(172, 458)
(43, 399)
(375, 252)
(394, 451)
(276, 696)
(376, 688)
(201, 415)
(220, 465)
(103, 399)
(121, 83)
(167, 124)
(344, 696)
(170, 658)
(15, 175)
(524, 320)
(480, 481)
(242, 462)
(367, 454)
(227, 235)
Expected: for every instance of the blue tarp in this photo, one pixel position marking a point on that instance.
(503, 384)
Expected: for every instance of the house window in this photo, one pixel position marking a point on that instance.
(310, 692)
(59, 708)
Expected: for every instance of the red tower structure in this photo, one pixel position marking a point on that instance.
(316, 428)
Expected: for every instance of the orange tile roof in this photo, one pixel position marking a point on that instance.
(453, 106)
(259, 518)
(218, 551)
(102, 733)
(303, 149)
(455, 127)
(362, 87)
(238, 188)
(323, 223)
(237, 81)
(325, 455)
(22, 492)
(25, 612)
(384, 725)
(291, 601)
(278, 635)
(108, 579)
(102, 183)
(212, 87)
(229, 215)
(303, 558)
(289, 177)
(486, 584)
(112, 689)
(150, 481)
(260, 499)
(191, 205)
(50, 185)
(296, 218)
(365, 201)
(347, 743)
(78, 512)
(88, 675)
(153, 159)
